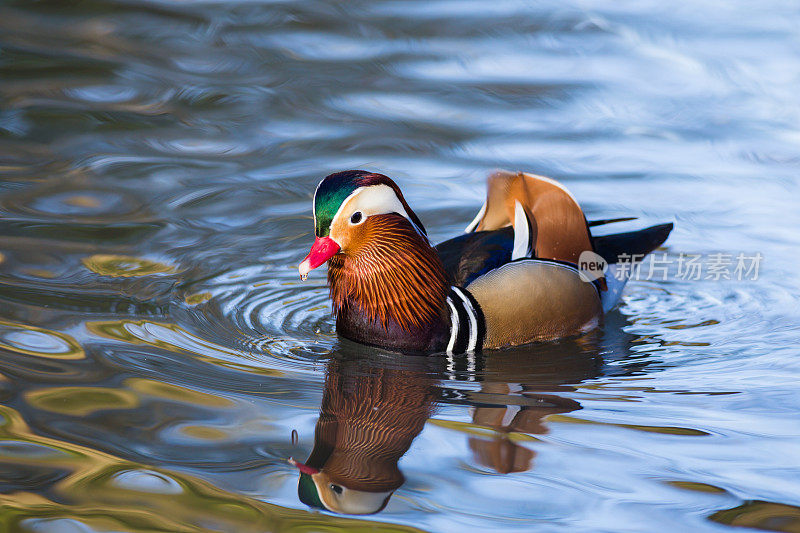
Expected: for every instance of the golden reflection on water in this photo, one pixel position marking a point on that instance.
(40, 273)
(31, 340)
(124, 266)
(81, 401)
(697, 487)
(96, 489)
(82, 200)
(204, 433)
(197, 298)
(756, 514)
(664, 430)
(168, 391)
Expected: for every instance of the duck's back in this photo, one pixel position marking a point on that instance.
(519, 259)
(473, 254)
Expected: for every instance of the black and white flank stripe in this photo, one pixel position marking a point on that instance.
(467, 326)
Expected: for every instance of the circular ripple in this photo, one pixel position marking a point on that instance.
(263, 311)
(40, 342)
(74, 202)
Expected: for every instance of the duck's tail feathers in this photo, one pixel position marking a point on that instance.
(556, 226)
(623, 246)
(603, 222)
(622, 251)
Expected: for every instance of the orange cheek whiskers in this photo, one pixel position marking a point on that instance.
(390, 275)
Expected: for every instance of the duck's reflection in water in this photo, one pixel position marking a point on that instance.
(516, 395)
(370, 413)
(373, 408)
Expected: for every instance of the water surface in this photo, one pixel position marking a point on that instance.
(157, 349)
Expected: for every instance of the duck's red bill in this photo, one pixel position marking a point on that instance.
(305, 469)
(323, 249)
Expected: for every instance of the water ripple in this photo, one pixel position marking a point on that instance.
(31, 340)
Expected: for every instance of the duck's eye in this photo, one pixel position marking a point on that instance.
(336, 488)
(356, 217)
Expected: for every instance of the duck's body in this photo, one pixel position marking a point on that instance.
(513, 278)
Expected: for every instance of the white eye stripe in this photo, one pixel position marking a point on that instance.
(373, 200)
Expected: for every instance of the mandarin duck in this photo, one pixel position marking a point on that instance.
(368, 419)
(511, 279)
